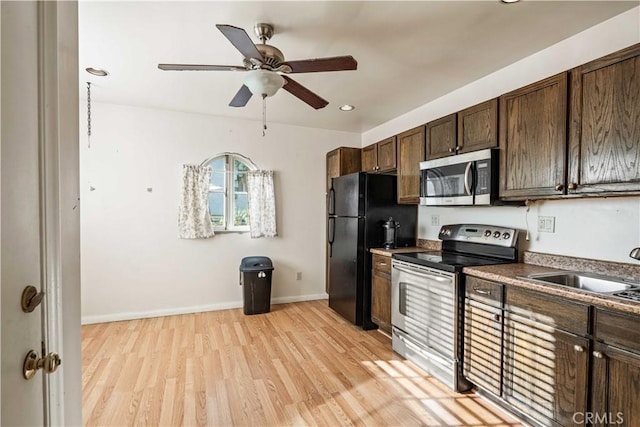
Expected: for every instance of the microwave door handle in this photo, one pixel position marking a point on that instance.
(467, 178)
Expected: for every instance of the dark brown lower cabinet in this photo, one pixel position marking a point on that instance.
(482, 361)
(545, 371)
(616, 387)
(555, 361)
(615, 396)
(381, 292)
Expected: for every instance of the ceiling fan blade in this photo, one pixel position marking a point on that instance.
(304, 94)
(195, 67)
(241, 40)
(242, 97)
(336, 63)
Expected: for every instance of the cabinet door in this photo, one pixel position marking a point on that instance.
(387, 154)
(545, 371)
(410, 154)
(616, 387)
(533, 140)
(333, 165)
(604, 132)
(370, 158)
(483, 346)
(478, 127)
(381, 300)
(441, 137)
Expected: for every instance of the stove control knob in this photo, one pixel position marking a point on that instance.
(506, 235)
(487, 233)
(496, 234)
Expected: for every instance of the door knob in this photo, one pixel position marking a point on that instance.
(31, 298)
(572, 186)
(49, 364)
(559, 187)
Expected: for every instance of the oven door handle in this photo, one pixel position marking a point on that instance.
(423, 351)
(421, 273)
(467, 175)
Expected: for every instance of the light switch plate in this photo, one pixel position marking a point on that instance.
(435, 219)
(547, 224)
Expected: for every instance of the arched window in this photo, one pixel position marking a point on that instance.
(228, 201)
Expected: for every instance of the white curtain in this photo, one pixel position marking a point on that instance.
(262, 204)
(194, 221)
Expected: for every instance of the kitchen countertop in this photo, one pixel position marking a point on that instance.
(389, 252)
(507, 273)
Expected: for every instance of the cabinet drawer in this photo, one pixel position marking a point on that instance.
(485, 291)
(552, 311)
(617, 328)
(381, 264)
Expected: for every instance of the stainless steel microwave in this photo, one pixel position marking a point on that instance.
(462, 180)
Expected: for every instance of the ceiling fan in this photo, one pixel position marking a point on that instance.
(267, 69)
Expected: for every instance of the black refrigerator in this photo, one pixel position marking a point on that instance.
(358, 205)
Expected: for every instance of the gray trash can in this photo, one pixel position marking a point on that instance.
(255, 278)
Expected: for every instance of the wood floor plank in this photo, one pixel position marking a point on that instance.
(300, 364)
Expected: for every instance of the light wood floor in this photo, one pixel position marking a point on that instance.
(301, 364)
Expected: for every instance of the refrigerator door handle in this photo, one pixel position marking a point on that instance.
(331, 202)
(331, 233)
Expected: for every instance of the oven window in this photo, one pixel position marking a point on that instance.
(444, 181)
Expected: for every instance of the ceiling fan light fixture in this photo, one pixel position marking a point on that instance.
(347, 107)
(263, 82)
(509, 1)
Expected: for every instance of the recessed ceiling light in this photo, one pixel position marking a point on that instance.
(509, 1)
(347, 107)
(97, 71)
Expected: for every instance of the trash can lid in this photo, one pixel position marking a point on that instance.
(256, 263)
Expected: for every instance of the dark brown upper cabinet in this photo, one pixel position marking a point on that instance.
(410, 154)
(380, 157)
(533, 140)
(604, 129)
(474, 128)
(342, 161)
(441, 137)
(478, 127)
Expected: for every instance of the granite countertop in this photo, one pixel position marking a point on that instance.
(389, 252)
(507, 273)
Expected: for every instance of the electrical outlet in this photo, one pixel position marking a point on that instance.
(299, 275)
(547, 224)
(435, 219)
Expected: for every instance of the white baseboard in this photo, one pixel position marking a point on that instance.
(115, 317)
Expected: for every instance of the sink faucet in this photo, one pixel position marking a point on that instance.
(635, 253)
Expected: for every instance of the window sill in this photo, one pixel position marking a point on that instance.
(230, 231)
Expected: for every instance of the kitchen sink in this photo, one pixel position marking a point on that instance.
(585, 281)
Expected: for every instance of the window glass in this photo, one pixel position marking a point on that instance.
(216, 209)
(228, 200)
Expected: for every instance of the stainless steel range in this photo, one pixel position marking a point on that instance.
(427, 294)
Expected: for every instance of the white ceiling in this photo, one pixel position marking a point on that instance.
(408, 53)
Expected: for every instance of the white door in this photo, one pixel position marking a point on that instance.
(39, 210)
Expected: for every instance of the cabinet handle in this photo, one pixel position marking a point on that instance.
(451, 150)
(598, 355)
(578, 348)
(458, 148)
(559, 187)
(496, 317)
(482, 291)
(572, 186)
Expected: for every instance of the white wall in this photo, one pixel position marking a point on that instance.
(602, 228)
(133, 264)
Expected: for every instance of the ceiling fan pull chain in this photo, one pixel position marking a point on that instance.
(88, 114)
(264, 114)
